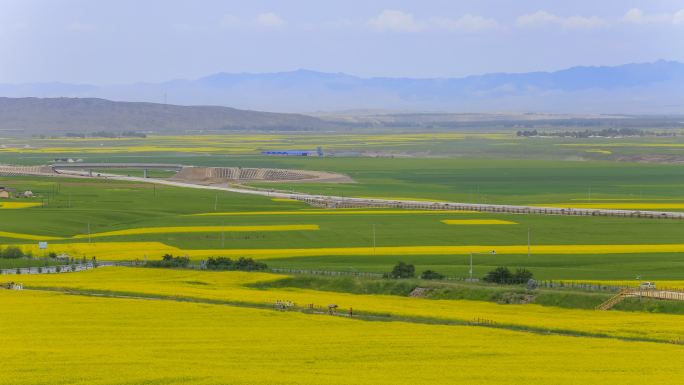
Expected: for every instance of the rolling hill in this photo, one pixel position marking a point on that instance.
(87, 115)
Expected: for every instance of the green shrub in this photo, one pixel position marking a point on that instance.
(11, 252)
(242, 264)
(402, 270)
(503, 275)
(430, 274)
(169, 260)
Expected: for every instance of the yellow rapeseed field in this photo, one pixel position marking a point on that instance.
(660, 284)
(405, 199)
(109, 250)
(54, 338)
(285, 200)
(599, 151)
(18, 205)
(136, 250)
(166, 230)
(229, 286)
(477, 222)
(620, 205)
(8, 234)
(199, 229)
(333, 212)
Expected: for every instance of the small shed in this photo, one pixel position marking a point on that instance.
(7, 192)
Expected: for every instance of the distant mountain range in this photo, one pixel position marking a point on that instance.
(646, 88)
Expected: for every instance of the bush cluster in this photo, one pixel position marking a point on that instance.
(242, 264)
(402, 270)
(169, 260)
(13, 252)
(431, 274)
(504, 276)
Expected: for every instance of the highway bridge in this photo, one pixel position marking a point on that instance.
(100, 166)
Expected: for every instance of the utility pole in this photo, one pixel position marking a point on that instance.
(470, 272)
(528, 241)
(374, 239)
(223, 235)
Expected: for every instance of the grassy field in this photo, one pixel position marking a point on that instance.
(128, 213)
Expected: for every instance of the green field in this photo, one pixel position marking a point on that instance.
(139, 325)
(72, 207)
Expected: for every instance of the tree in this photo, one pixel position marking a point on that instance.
(169, 260)
(403, 270)
(499, 275)
(522, 275)
(11, 252)
(430, 274)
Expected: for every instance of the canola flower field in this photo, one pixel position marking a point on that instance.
(477, 222)
(124, 251)
(166, 230)
(230, 286)
(18, 205)
(195, 343)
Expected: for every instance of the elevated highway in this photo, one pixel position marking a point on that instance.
(64, 166)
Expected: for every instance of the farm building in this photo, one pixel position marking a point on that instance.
(7, 192)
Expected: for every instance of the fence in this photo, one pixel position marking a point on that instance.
(326, 272)
(341, 202)
(52, 269)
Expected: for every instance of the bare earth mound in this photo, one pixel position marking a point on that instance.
(239, 174)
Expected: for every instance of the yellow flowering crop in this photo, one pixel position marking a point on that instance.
(18, 205)
(477, 222)
(620, 205)
(57, 338)
(599, 151)
(8, 234)
(333, 212)
(136, 250)
(229, 286)
(199, 229)
(660, 284)
(285, 200)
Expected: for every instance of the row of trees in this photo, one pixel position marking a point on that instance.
(501, 275)
(406, 270)
(169, 260)
(603, 133)
(217, 263)
(242, 264)
(505, 276)
(106, 134)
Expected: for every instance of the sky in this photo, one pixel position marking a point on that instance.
(127, 41)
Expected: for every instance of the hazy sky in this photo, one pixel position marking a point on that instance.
(118, 41)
